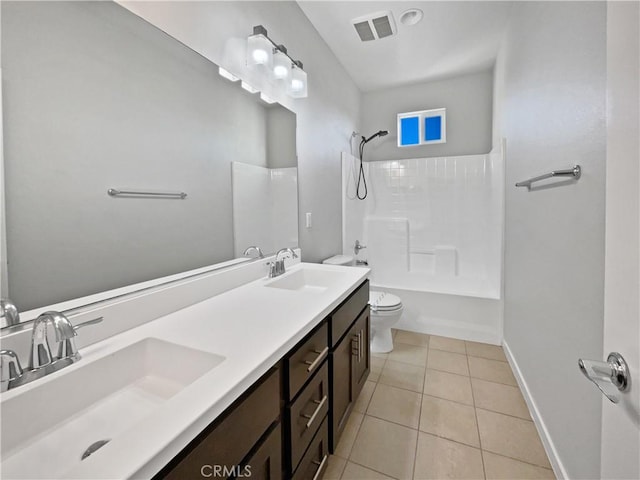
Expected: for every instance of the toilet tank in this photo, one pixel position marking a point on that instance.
(344, 260)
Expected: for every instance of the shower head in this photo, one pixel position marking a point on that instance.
(380, 133)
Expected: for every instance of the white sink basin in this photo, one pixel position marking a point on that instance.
(46, 430)
(307, 278)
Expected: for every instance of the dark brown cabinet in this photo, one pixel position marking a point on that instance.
(306, 414)
(266, 462)
(349, 360)
(314, 463)
(285, 425)
(307, 397)
(361, 353)
(238, 434)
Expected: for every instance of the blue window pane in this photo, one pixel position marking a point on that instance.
(432, 129)
(410, 131)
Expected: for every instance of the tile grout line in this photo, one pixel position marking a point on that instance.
(415, 453)
(475, 413)
(487, 358)
(469, 405)
(505, 414)
(517, 460)
(471, 376)
(369, 468)
(364, 416)
(424, 384)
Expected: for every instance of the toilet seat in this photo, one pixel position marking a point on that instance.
(382, 302)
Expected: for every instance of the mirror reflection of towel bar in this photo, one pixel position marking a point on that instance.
(574, 172)
(148, 194)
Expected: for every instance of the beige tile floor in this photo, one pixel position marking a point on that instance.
(437, 408)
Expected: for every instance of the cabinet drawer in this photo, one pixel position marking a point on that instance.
(346, 313)
(305, 415)
(228, 441)
(306, 360)
(315, 460)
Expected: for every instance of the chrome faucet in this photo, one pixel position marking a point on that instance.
(8, 313)
(40, 352)
(41, 361)
(357, 247)
(257, 250)
(277, 267)
(10, 369)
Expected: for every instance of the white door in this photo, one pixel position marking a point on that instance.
(621, 422)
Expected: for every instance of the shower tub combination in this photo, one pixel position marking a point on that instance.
(432, 228)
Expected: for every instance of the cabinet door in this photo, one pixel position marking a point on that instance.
(341, 360)
(362, 353)
(266, 462)
(229, 439)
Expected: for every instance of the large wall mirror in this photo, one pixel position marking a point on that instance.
(96, 98)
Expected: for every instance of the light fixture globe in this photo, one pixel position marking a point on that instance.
(259, 48)
(297, 87)
(281, 63)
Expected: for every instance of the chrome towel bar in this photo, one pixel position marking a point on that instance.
(574, 172)
(148, 194)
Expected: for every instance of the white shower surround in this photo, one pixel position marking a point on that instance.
(433, 231)
(265, 207)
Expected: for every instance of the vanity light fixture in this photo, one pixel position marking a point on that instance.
(259, 47)
(297, 87)
(281, 63)
(227, 74)
(248, 87)
(261, 50)
(266, 99)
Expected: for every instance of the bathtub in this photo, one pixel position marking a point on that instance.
(433, 234)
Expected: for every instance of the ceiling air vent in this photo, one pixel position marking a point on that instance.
(374, 26)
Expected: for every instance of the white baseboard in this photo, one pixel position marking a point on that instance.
(552, 453)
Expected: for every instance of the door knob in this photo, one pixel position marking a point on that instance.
(611, 377)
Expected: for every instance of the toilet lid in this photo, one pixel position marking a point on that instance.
(384, 301)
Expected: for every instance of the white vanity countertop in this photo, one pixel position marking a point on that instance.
(252, 326)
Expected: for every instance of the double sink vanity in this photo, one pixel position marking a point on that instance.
(259, 378)
(189, 373)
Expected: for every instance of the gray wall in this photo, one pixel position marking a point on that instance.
(281, 138)
(468, 100)
(96, 98)
(326, 118)
(553, 115)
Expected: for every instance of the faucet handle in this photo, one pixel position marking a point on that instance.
(10, 368)
(87, 323)
(251, 248)
(358, 246)
(40, 355)
(9, 312)
(67, 347)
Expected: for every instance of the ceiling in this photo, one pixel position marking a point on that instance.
(453, 38)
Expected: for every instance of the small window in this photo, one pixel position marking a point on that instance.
(422, 128)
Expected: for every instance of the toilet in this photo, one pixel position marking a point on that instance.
(386, 310)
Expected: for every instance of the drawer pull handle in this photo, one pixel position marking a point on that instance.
(319, 358)
(320, 466)
(313, 416)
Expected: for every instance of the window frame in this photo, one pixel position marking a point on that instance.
(422, 116)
